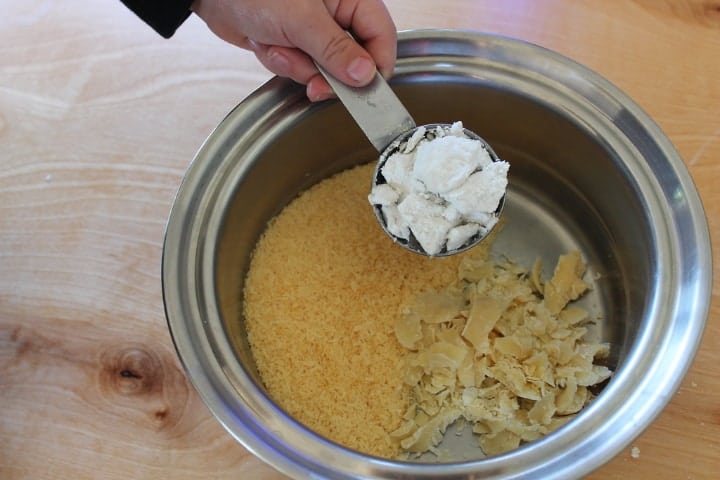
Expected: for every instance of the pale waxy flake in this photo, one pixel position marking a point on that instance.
(502, 350)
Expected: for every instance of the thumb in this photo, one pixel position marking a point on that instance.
(335, 50)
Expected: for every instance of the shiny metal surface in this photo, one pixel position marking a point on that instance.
(590, 170)
(374, 107)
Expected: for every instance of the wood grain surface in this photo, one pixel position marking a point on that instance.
(99, 118)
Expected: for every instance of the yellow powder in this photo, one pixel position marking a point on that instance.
(325, 288)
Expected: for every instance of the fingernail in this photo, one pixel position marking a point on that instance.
(279, 62)
(318, 94)
(361, 70)
(254, 46)
(321, 96)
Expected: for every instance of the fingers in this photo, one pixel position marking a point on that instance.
(284, 61)
(374, 28)
(331, 46)
(289, 33)
(294, 64)
(318, 89)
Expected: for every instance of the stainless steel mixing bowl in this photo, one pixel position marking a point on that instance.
(589, 171)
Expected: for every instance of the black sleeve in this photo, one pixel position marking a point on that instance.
(164, 16)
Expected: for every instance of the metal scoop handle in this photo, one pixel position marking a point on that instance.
(375, 108)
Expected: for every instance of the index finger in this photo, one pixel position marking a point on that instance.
(323, 36)
(371, 24)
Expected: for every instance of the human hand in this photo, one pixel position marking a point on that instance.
(286, 35)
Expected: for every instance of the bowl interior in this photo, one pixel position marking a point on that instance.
(567, 190)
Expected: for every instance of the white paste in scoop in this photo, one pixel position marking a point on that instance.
(444, 191)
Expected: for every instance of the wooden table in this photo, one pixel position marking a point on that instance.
(99, 118)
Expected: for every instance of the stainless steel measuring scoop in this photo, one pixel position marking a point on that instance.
(388, 125)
